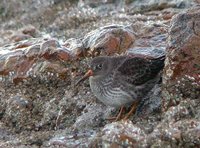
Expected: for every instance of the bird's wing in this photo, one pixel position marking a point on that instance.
(138, 70)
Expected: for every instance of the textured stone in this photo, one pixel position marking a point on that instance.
(30, 30)
(181, 77)
(76, 47)
(147, 5)
(120, 134)
(19, 37)
(33, 57)
(46, 111)
(109, 40)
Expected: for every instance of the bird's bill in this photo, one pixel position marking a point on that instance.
(87, 75)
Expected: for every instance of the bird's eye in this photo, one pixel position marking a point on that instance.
(98, 67)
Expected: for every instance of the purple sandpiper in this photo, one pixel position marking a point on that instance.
(119, 81)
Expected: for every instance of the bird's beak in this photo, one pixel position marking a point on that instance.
(87, 75)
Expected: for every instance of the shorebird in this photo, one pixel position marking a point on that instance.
(120, 81)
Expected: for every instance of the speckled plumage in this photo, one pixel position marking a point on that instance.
(123, 80)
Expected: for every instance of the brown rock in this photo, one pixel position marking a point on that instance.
(51, 49)
(22, 45)
(167, 15)
(197, 1)
(39, 56)
(49, 43)
(32, 51)
(30, 30)
(63, 54)
(10, 63)
(19, 37)
(76, 47)
(182, 70)
(109, 40)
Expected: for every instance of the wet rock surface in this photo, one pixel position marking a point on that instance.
(40, 63)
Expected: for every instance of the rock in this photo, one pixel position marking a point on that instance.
(93, 116)
(16, 37)
(109, 40)
(197, 1)
(91, 3)
(175, 123)
(151, 39)
(151, 103)
(168, 14)
(181, 78)
(24, 33)
(32, 57)
(30, 30)
(76, 47)
(119, 134)
(74, 139)
(149, 5)
(147, 51)
(42, 108)
(51, 49)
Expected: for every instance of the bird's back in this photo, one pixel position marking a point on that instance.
(137, 75)
(138, 70)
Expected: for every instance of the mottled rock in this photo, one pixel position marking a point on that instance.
(73, 139)
(147, 51)
(46, 111)
(16, 37)
(181, 78)
(151, 103)
(30, 57)
(151, 39)
(176, 126)
(30, 30)
(119, 134)
(109, 40)
(76, 47)
(92, 3)
(168, 14)
(93, 115)
(24, 33)
(148, 5)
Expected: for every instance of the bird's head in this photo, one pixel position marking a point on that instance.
(99, 66)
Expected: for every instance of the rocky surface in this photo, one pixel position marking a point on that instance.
(45, 47)
(182, 71)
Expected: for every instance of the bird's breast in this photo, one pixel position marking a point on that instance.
(107, 93)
